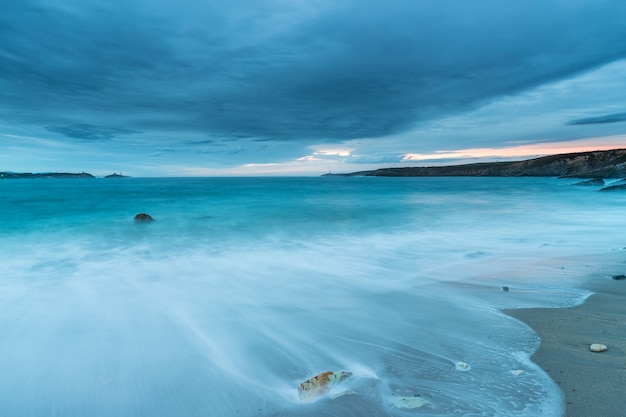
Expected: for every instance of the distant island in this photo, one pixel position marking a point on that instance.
(16, 175)
(594, 164)
(20, 175)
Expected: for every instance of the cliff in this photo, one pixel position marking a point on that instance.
(594, 164)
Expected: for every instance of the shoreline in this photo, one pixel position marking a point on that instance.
(591, 383)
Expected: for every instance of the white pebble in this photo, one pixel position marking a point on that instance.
(598, 347)
(462, 366)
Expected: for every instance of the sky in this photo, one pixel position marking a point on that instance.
(156, 88)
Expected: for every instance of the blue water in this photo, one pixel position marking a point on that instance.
(244, 287)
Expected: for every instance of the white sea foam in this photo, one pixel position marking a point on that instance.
(243, 289)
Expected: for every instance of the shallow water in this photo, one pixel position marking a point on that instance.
(244, 287)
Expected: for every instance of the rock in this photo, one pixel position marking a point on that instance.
(321, 384)
(598, 347)
(143, 218)
(621, 187)
(616, 186)
(593, 181)
(505, 288)
(619, 276)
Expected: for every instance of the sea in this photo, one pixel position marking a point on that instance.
(244, 288)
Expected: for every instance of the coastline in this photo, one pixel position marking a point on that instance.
(590, 382)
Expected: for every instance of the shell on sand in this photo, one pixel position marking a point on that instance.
(321, 384)
(598, 347)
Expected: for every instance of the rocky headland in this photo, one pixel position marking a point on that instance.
(16, 175)
(594, 164)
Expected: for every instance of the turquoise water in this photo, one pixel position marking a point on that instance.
(245, 287)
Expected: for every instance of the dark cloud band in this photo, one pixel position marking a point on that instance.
(607, 118)
(90, 132)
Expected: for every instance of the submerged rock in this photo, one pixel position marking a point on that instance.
(143, 218)
(621, 187)
(593, 181)
(616, 186)
(598, 347)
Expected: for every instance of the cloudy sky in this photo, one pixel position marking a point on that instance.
(244, 87)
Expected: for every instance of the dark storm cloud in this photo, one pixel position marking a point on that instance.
(287, 70)
(90, 132)
(606, 118)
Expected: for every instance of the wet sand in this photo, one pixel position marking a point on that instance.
(592, 383)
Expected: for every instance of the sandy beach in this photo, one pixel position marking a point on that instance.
(592, 383)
